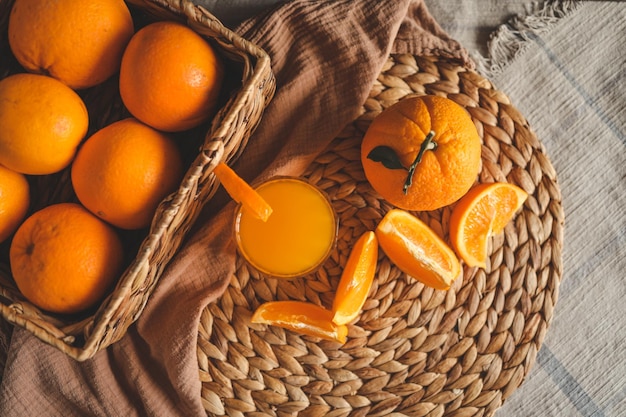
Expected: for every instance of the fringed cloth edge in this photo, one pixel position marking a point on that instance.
(511, 39)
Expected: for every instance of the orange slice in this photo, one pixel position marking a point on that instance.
(302, 317)
(481, 213)
(417, 250)
(242, 192)
(356, 279)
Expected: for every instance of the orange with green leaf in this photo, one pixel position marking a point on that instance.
(422, 153)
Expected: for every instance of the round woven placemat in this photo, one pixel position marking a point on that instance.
(414, 350)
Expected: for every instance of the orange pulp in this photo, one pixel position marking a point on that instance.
(296, 238)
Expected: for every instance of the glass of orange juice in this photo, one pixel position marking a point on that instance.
(299, 234)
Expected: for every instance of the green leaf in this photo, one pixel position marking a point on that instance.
(386, 156)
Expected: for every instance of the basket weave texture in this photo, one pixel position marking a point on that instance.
(414, 351)
(250, 86)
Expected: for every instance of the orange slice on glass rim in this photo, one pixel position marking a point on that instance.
(484, 211)
(356, 279)
(240, 191)
(302, 317)
(417, 250)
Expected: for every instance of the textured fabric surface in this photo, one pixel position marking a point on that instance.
(325, 56)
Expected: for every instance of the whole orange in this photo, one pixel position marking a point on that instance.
(124, 170)
(64, 259)
(170, 77)
(422, 153)
(42, 122)
(14, 201)
(78, 42)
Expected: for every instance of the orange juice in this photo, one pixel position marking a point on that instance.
(299, 234)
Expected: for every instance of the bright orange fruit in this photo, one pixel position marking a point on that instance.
(124, 170)
(170, 77)
(77, 42)
(242, 192)
(417, 250)
(356, 279)
(422, 153)
(42, 122)
(481, 213)
(14, 201)
(64, 259)
(302, 317)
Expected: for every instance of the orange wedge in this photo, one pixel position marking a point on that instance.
(302, 317)
(481, 213)
(242, 192)
(417, 250)
(356, 279)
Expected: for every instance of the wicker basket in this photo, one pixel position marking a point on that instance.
(249, 86)
(414, 351)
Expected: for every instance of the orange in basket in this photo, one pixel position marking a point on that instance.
(78, 42)
(14, 201)
(64, 259)
(170, 77)
(302, 317)
(124, 170)
(481, 213)
(356, 279)
(42, 122)
(417, 250)
(422, 153)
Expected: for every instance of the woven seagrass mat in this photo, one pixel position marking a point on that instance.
(414, 350)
